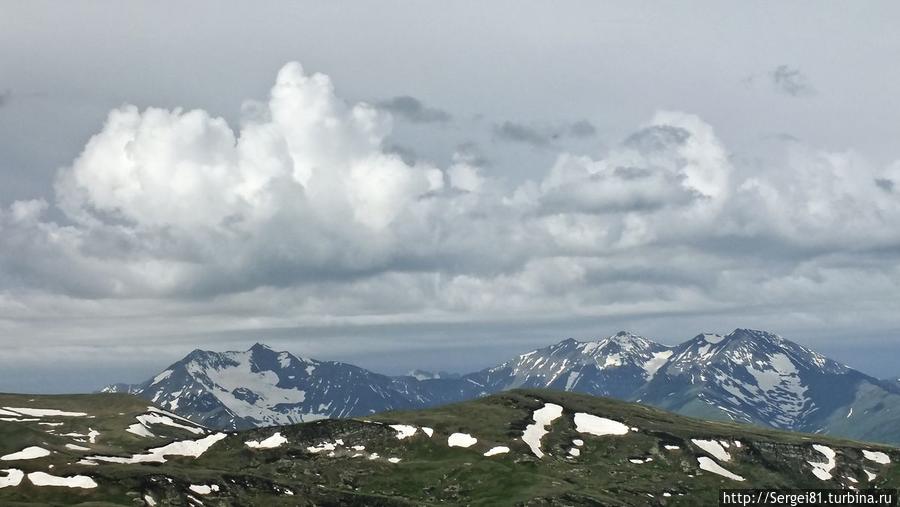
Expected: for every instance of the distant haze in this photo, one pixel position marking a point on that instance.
(441, 185)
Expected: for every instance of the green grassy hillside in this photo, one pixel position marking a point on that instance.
(651, 458)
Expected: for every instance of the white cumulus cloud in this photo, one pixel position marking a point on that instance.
(178, 220)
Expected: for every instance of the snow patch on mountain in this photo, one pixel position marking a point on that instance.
(204, 489)
(461, 440)
(45, 412)
(191, 448)
(10, 477)
(598, 426)
(404, 430)
(153, 418)
(493, 451)
(712, 447)
(140, 430)
(159, 378)
(707, 463)
(823, 470)
(656, 362)
(276, 440)
(75, 481)
(542, 417)
(240, 376)
(32, 452)
(878, 457)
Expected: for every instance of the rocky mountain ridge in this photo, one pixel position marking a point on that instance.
(748, 376)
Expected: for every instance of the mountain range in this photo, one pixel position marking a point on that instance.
(747, 376)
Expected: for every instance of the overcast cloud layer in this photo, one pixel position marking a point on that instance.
(401, 232)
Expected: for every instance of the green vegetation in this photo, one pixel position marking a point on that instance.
(428, 472)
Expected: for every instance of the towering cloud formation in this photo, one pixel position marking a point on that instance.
(301, 212)
(187, 169)
(304, 184)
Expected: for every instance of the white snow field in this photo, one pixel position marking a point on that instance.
(156, 418)
(32, 452)
(140, 430)
(45, 412)
(500, 449)
(75, 481)
(712, 447)
(404, 430)
(598, 426)
(823, 470)
(878, 457)
(10, 477)
(707, 463)
(192, 448)
(461, 440)
(203, 489)
(272, 442)
(535, 431)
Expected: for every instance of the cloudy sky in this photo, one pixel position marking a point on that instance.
(441, 185)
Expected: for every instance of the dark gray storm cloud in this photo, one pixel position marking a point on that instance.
(543, 137)
(472, 153)
(658, 138)
(885, 184)
(582, 129)
(412, 109)
(520, 133)
(791, 81)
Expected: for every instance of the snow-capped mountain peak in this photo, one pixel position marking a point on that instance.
(619, 350)
(628, 341)
(752, 376)
(747, 375)
(261, 387)
(625, 349)
(614, 366)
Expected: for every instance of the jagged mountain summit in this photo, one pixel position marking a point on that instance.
(747, 376)
(615, 366)
(263, 387)
(761, 378)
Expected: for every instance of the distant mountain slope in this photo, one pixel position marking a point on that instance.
(615, 366)
(262, 387)
(761, 378)
(522, 447)
(749, 376)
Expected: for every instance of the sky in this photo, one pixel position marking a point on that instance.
(441, 185)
